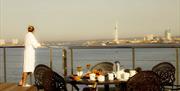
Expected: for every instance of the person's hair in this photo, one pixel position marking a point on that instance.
(30, 28)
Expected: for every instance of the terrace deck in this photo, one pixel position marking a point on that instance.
(15, 87)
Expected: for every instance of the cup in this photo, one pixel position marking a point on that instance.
(120, 74)
(92, 76)
(101, 78)
(79, 73)
(132, 73)
(126, 76)
(110, 76)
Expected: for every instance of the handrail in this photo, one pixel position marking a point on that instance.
(111, 46)
(11, 46)
(128, 46)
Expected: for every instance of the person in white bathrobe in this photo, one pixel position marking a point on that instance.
(29, 55)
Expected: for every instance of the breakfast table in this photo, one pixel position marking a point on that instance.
(106, 83)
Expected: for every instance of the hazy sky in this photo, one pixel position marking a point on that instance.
(88, 19)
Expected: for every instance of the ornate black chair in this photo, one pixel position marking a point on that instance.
(166, 71)
(39, 73)
(105, 67)
(54, 82)
(144, 81)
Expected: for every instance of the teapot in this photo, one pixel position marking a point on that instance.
(119, 73)
(117, 66)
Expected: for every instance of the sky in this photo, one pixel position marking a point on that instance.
(69, 20)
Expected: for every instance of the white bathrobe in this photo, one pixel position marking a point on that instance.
(29, 52)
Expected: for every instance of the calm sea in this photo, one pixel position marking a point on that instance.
(146, 58)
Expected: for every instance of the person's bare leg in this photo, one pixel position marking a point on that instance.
(23, 79)
(20, 82)
(25, 74)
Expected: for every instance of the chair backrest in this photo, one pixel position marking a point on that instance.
(105, 67)
(166, 71)
(53, 82)
(39, 73)
(144, 81)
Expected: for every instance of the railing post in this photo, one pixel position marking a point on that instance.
(133, 58)
(71, 61)
(64, 58)
(4, 50)
(30, 78)
(71, 50)
(51, 53)
(177, 66)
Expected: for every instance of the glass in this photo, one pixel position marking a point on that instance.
(110, 76)
(79, 71)
(88, 67)
(79, 68)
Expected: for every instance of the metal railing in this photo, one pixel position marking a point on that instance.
(64, 54)
(133, 47)
(5, 59)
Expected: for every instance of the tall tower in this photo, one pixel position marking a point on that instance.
(168, 34)
(116, 40)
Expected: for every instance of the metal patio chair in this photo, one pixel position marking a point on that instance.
(39, 73)
(144, 81)
(52, 81)
(166, 71)
(105, 67)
